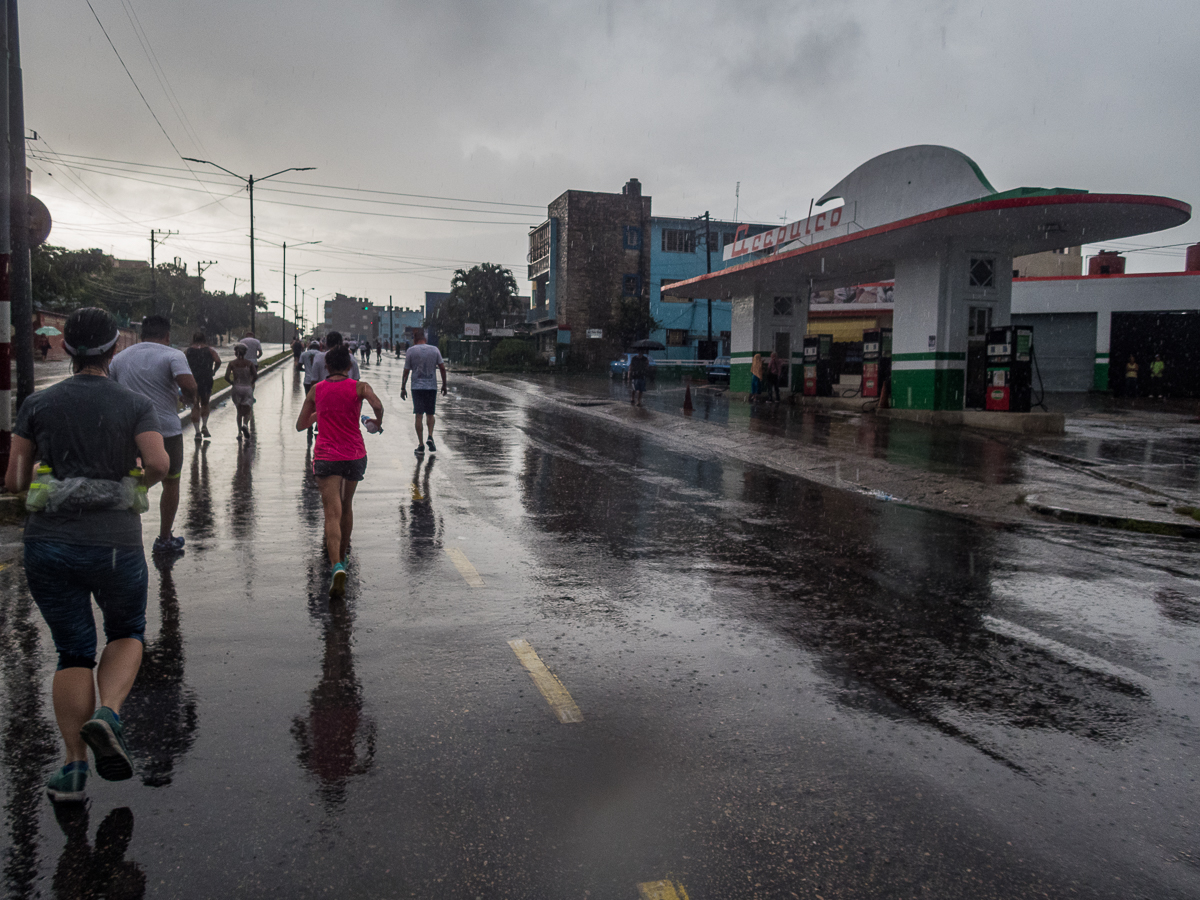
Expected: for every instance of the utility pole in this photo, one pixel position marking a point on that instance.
(162, 236)
(708, 254)
(250, 187)
(391, 322)
(5, 260)
(21, 291)
(201, 265)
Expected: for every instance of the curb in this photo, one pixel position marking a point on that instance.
(1142, 526)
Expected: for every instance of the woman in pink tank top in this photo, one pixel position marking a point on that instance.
(339, 455)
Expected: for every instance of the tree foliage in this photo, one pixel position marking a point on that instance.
(64, 280)
(483, 295)
(632, 320)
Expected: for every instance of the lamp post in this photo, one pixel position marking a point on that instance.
(282, 339)
(250, 187)
(295, 279)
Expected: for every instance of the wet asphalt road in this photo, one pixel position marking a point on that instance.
(785, 690)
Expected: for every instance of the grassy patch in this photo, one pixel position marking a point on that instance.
(1192, 511)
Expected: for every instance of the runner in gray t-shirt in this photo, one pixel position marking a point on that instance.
(158, 371)
(423, 361)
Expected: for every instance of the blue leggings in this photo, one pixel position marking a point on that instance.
(63, 578)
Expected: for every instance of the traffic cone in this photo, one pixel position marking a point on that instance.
(687, 397)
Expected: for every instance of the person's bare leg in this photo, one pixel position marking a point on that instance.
(420, 433)
(204, 414)
(429, 424)
(74, 694)
(168, 506)
(347, 520)
(119, 664)
(331, 499)
(196, 418)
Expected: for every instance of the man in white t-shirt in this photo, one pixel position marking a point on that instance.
(318, 366)
(253, 347)
(423, 361)
(159, 372)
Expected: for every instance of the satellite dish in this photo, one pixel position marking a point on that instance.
(39, 222)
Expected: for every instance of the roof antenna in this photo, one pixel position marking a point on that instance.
(737, 200)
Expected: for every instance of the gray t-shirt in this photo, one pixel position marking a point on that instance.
(423, 361)
(253, 349)
(84, 427)
(319, 371)
(149, 369)
(308, 359)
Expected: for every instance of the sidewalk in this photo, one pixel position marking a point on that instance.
(1126, 467)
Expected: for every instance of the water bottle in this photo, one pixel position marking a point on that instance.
(39, 489)
(141, 498)
(369, 424)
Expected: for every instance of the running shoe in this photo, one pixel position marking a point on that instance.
(337, 587)
(66, 785)
(198, 436)
(431, 445)
(170, 544)
(246, 432)
(420, 451)
(104, 733)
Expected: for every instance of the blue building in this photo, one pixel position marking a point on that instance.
(679, 250)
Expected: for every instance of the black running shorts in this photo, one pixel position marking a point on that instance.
(350, 469)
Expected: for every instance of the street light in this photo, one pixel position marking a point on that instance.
(296, 278)
(303, 244)
(250, 186)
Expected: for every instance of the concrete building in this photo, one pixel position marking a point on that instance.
(352, 316)
(394, 320)
(596, 249)
(927, 219)
(590, 254)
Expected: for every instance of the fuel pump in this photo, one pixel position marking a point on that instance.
(1009, 368)
(877, 360)
(818, 365)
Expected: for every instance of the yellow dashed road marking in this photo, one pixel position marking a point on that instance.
(4, 566)
(465, 569)
(556, 695)
(662, 890)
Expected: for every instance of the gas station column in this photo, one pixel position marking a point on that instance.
(944, 303)
(763, 322)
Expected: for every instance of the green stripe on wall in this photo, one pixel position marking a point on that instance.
(927, 388)
(915, 357)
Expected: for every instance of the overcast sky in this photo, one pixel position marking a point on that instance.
(506, 105)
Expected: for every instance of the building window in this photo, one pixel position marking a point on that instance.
(678, 240)
(726, 239)
(979, 320)
(633, 237)
(677, 337)
(667, 298)
(631, 285)
(982, 273)
(783, 306)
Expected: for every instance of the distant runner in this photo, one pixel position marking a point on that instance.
(339, 455)
(89, 430)
(242, 374)
(424, 361)
(204, 363)
(253, 347)
(332, 340)
(159, 372)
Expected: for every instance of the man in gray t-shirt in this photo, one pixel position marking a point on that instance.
(159, 372)
(424, 361)
(253, 347)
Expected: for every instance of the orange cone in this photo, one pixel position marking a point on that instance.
(687, 397)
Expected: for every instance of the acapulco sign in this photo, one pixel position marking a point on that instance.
(785, 234)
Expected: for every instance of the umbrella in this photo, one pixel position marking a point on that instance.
(48, 330)
(648, 345)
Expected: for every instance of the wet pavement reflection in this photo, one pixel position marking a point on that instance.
(786, 689)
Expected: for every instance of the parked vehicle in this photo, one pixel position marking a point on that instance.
(718, 370)
(619, 368)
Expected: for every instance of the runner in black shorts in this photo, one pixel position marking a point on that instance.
(204, 363)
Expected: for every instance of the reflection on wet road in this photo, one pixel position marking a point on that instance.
(782, 689)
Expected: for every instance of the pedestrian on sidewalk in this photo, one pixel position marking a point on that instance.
(204, 363)
(774, 377)
(88, 427)
(1158, 369)
(424, 361)
(159, 372)
(339, 455)
(378, 351)
(756, 377)
(639, 371)
(297, 349)
(1131, 377)
(253, 348)
(242, 374)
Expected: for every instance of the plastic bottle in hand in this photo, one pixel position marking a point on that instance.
(371, 425)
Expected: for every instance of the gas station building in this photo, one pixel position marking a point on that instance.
(924, 223)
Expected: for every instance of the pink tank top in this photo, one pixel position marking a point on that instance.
(338, 434)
